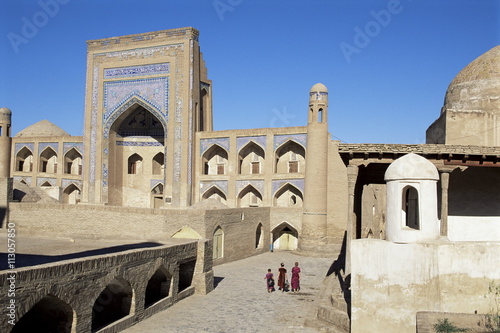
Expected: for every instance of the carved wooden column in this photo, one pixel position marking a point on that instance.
(352, 176)
(445, 179)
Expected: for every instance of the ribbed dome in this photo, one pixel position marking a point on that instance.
(477, 86)
(42, 128)
(411, 166)
(319, 87)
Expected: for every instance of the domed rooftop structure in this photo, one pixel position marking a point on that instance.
(5, 111)
(319, 87)
(471, 107)
(411, 166)
(42, 128)
(477, 86)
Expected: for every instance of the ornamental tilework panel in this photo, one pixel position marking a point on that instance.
(220, 184)
(281, 139)
(298, 183)
(139, 144)
(257, 184)
(53, 145)
(153, 91)
(93, 126)
(41, 180)
(68, 182)
(154, 182)
(259, 140)
(27, 180)
(130, 71)
(207, 143)
(67, 146)
(19, 146)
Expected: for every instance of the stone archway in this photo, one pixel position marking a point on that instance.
(50, 314)
(136, 157)
(285, 237)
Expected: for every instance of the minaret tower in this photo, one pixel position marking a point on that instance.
(5, 181)
(313, 237)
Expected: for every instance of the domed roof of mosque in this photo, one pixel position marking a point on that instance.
(411, 166)
(319, 87)
(42, 128)
(477, 86)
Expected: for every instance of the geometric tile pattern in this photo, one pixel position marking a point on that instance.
(298, 138)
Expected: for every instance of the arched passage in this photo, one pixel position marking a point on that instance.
(49, 315)
(114, 303)
(135, 156)
(158, 287)
(285, 237)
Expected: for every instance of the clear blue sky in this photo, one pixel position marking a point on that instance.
(387, 63)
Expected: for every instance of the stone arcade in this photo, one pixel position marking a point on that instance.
(150, 168)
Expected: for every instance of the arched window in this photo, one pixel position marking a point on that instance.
(158, 164)
(288, 196)
(134, 164)
(249, 197)
(410, 208)
(71, 194)
(259, 237)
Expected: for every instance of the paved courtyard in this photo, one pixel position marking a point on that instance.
(241, 303)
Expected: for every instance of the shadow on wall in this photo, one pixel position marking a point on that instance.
(25, 260)
(474, 192)
(3, 215)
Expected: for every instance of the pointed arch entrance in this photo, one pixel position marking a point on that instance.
(135, 155)
(285, 237)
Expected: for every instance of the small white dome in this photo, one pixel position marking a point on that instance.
(411, 166)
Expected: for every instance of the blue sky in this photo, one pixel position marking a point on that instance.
(387, 63)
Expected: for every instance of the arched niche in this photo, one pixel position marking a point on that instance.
(24, 160)
(215, 193)
(251, 159)
(48, 161)
(158, 287)
(214, 161)
(288, 196)
(285, 237)
(290, 158)
(249, 197)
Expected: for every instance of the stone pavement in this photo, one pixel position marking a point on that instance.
(241, 303)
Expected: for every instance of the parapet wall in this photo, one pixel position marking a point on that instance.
(392, 282)
(72, 293)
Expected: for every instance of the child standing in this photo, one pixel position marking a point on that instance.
(269, 281)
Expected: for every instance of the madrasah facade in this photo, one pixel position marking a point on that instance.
(149, 148)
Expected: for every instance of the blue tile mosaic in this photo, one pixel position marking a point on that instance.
(281, 139)
(298, 183)
(207, 143)
(130, 71)
(259, 140)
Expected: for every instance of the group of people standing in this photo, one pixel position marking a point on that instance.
(283, 284)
